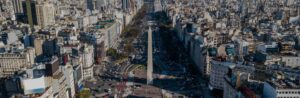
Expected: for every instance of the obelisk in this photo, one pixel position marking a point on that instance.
(149, 58)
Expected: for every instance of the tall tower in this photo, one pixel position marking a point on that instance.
(17, 4)
(125, 4)
(150, 58)
(29, 13)
(90, 4)
(45, 14)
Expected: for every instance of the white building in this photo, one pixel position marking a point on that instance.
(31, 82)
(281, 89)
(69, 73)
(45, 14)
(218, 71)
(111, 30)
(292, 61)
(88, 61)
(12, 62)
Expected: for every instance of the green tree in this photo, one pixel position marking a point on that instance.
(128, 48)
(112, 52)
(84, 94)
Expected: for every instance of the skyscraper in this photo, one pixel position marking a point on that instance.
(125, 4)
(17, 4)
(18, 10)
(45, 14)
(90, 4)
(38, 45)
(29, 11)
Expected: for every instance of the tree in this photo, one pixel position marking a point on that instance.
(112, 52)
(84, 94)
(128, 48)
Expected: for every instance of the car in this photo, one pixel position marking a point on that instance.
(109, 91)
(138, 86)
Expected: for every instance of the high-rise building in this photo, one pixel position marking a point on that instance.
(49, 47)
(69, 73)
(30, 13)
(18, 10)
(218, 70)
(17, 4)
(38, 46)
(88, 61)
(45, 14)
(99, 52)
(78, 77)
(90, 4)
(125, 4)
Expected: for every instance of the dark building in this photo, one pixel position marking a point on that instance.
(19, 11)
(52, 67)
(49, 47)
(17, 4)
(29, 13)
(100, 52)
(90, 4)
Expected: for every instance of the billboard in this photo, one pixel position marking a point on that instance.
(34, 86)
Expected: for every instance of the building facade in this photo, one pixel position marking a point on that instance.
(88, 61)
(277, 90)
(12, 62)
(45, 14)
(218, 71)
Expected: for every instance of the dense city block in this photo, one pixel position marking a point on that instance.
(149, 48)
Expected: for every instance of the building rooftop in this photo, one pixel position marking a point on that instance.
(285, 84)
(103, 24)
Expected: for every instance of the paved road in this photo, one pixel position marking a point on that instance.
(171, 77)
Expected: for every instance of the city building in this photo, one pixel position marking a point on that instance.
(9, 37)
(90, 4)
(55, 44)
(102, 5)
(68, 71)
(125, 4)
(235, 85)
(291, 61)
(45, 13)
(88, 61)
(78, 78)
(218, 71)
(38, 46)
(31, 82)
(58, 80)
(30, 12)
(14, 61)
(281, 89)
(18, 7)
(111, 30)
(49, 47)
